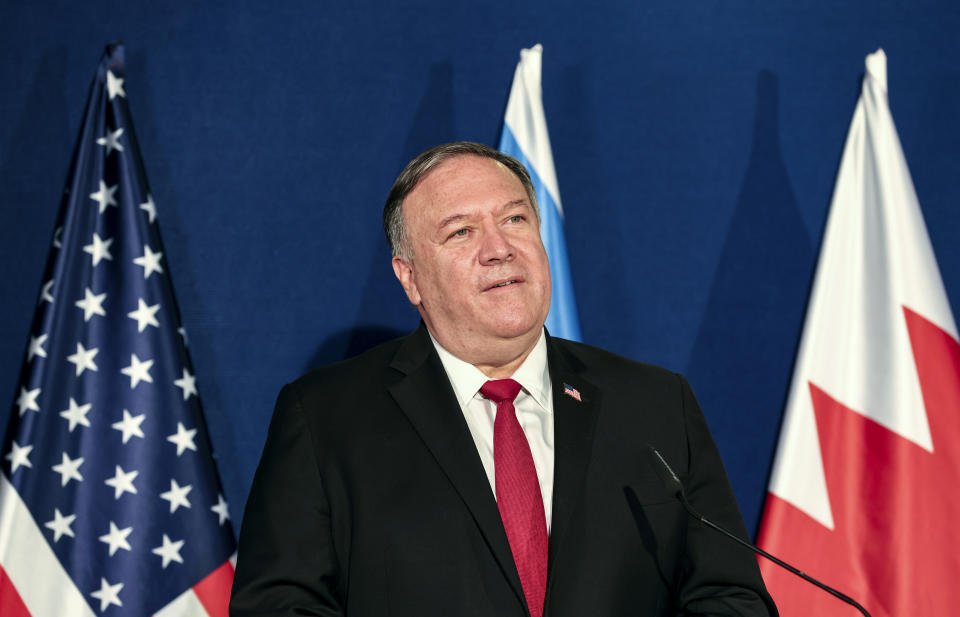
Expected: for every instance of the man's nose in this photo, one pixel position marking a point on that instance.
(495, 245)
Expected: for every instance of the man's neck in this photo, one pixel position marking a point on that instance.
(505, 370)
(496, 361)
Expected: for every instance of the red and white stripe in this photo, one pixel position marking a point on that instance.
(33, 583)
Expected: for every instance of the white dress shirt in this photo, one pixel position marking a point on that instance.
(534, 405)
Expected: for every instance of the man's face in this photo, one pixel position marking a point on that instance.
(479, 273)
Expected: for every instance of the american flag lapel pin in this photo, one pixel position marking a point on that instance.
(572, 392)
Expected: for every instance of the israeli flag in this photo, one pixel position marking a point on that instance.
(525, 138)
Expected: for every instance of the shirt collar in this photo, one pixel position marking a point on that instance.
(533, 375)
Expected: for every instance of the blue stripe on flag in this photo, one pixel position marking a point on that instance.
(562, 320)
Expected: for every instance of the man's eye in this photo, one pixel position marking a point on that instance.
(517, 218)
(459, 233)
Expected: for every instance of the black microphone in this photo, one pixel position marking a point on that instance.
(671, 480)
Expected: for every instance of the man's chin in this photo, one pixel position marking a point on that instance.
(516, 329)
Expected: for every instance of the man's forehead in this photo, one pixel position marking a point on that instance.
(466, 176)
(463, 164)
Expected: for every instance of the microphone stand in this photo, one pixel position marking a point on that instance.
(671, 479)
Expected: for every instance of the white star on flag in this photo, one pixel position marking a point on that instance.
(183, 438)
(129, 426)
(107, 594)
(116, 538)
(28, 400)
(36, 347)
(145, 315)
(187, 383)
(122, 482)
(83, 359)
(138, 371)
(177, 496)
(169, 551)
(60, 525)
(76, 414)
(99, 249)
(18, 456)
(92, 304)
(115, 86)
(45, 295)
(111, 141)
(150, 262)
(69, 469)
(104, 196)
(58, 232)
(150, 208)
(221, 509)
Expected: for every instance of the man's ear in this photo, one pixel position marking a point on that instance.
(404, 272)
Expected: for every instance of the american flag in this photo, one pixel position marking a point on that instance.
(109, 499)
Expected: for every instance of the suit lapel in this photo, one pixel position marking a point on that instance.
(574, 422)
(426, 397)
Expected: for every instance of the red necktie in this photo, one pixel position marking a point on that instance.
(518, 494)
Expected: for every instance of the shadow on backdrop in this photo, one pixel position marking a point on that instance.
(433, 122)
(43, 121)
(351, 342)
(384, 312)
(601, 272)
(754, 312)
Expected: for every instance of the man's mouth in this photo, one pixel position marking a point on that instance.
(504, 284)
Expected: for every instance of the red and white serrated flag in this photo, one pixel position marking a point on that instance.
(863, 493)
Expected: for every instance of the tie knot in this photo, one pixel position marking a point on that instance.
(499, 390)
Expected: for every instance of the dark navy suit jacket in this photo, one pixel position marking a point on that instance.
(370, 499)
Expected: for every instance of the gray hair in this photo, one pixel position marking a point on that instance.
(419, 167)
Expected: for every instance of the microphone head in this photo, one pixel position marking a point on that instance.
(664, 471)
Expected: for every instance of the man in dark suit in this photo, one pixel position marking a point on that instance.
(479, 467)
